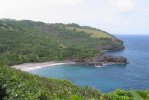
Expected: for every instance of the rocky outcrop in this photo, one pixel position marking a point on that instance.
(101, 60)
(113, 45)
(106, 60)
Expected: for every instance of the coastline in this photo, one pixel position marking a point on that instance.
(33, 66)
(100, 62)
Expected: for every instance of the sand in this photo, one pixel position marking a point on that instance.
(32, 66)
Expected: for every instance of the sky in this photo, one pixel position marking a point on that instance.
(113, 16)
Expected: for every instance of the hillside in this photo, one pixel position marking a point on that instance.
(29, 41)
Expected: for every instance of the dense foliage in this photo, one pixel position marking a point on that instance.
(24, 86)
(28, 41)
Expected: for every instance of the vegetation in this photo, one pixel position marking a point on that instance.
(20, 85)
(28, 41)
(92, 32)
(17, 85)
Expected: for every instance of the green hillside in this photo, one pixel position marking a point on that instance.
(29, 41)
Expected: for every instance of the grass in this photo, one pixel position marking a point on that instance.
(93, 33)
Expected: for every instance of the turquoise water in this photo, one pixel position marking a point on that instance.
(132, 76)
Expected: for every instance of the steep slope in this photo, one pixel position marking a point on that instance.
(28, 41)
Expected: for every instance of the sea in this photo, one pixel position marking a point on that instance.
(132, 76)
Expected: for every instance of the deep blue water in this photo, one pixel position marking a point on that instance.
(132, 76)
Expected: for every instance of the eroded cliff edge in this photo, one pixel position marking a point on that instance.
(103, 58)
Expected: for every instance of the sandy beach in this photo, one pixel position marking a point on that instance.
(32, 66)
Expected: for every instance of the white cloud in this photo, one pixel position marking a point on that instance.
(124, 5)
(41, 2)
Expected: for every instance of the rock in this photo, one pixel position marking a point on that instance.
(106, 60)
(118, 45)
(100, 60)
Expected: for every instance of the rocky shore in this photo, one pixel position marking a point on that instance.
(101, 60)
(106, 60)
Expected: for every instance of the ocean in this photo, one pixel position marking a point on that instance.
(134, 75)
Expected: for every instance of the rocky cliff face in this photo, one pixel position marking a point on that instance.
(116, 44)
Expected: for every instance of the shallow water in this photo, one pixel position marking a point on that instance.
(131, 76)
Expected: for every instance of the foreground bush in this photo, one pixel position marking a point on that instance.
(17, 85)
(23, 86)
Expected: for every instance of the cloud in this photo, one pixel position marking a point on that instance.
(114, 16)
(41, 2)
(124, 5)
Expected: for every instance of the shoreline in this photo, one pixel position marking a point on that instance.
(38, 65)
(98, 62)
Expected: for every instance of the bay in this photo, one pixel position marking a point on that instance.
(108, 78)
